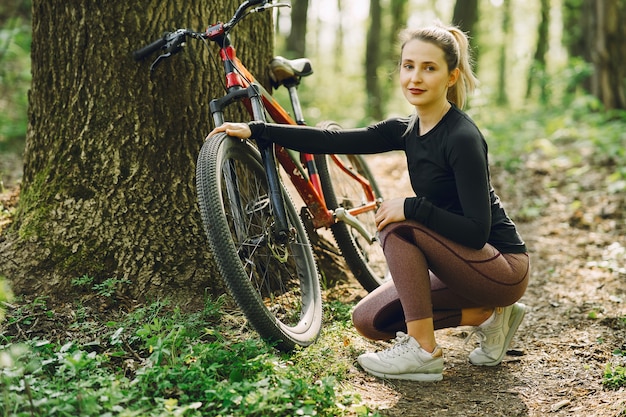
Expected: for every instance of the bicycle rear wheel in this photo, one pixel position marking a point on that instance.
(275, 285)
(365, 259)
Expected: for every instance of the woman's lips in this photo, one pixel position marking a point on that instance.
(416, 91)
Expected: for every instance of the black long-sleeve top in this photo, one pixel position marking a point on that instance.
(448, 169)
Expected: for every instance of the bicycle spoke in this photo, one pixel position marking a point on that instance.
(272, 268)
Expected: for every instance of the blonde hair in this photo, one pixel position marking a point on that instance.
(455, 46)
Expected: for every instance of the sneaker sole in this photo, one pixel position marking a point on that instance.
(520, 310)
(407, 377)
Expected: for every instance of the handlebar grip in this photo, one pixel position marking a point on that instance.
(139, 54)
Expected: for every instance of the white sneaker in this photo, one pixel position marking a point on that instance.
(405, 360)
(496, 334)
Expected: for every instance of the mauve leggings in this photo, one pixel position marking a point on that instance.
(436, 277)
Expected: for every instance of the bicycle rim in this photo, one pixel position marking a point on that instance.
(365, 259)
(275, 285)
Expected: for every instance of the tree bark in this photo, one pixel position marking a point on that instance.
(108, 187)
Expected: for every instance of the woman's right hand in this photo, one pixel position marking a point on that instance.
(238, 130)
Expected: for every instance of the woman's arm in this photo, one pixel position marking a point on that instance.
(377, 138)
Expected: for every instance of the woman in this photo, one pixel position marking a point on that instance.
(455, 257)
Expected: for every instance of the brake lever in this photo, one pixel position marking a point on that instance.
(269, 6)
(175, 44)
(158, 61)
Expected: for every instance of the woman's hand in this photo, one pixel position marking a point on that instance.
(390, 211)
(238, 130)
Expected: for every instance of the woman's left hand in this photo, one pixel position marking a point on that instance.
(390, 211)
(238, 130)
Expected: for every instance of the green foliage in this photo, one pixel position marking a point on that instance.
(6, 296)
(579, 134)
(615, 373)
(160, 361)
(15, 40)
(614, 376)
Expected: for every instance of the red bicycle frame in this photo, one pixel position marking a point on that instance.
(310, 190)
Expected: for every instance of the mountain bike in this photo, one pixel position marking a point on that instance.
(259, 240)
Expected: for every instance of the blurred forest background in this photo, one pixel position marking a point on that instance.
(529, 54)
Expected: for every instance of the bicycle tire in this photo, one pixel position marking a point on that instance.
(276, 286)
(365, 260)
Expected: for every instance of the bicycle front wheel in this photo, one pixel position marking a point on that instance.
(341, 190)
(275, 283)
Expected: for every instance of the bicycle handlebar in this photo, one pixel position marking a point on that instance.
(173, 42)
(147, 50)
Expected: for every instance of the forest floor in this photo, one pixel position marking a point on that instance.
(574, 227)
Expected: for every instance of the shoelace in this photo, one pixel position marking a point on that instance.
(476, 331)
(400, 346)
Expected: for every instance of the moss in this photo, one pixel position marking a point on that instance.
(83, 261)
(33, 208)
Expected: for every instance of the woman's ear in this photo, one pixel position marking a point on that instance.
(454, 76)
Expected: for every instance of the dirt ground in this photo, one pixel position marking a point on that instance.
(576, 303)
(574, 227)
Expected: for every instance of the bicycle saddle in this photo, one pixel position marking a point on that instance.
(288, 72)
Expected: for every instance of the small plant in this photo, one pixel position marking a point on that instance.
(109, 286)
(106, 288)
(614, 376)
(82, 281)
(6, 296)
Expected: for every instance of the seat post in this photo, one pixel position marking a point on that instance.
(295, 104)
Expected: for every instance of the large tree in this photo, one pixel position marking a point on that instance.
(108, 187)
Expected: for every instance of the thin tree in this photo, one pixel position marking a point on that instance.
(502, 97)
(108, 187)
(372, 62)
(537, 70)
(296, 40)
(465, 16)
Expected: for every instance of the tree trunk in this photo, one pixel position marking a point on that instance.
(108, 188)
(465, 16)
(372, 62)
(296, 41)
(399, 15)
(595, 31)
(537, 70)
(502, 97)
(608, 53)
(338, 53)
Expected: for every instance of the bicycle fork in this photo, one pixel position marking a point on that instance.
(268, 157)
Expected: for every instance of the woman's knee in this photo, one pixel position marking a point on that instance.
(377, 312)
(362, 319)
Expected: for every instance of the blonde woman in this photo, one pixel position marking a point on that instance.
(455, 256)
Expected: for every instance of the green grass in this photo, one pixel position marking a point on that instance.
(159, 361)
(615, 373)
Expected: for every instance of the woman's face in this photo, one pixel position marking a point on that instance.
(424, 74)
